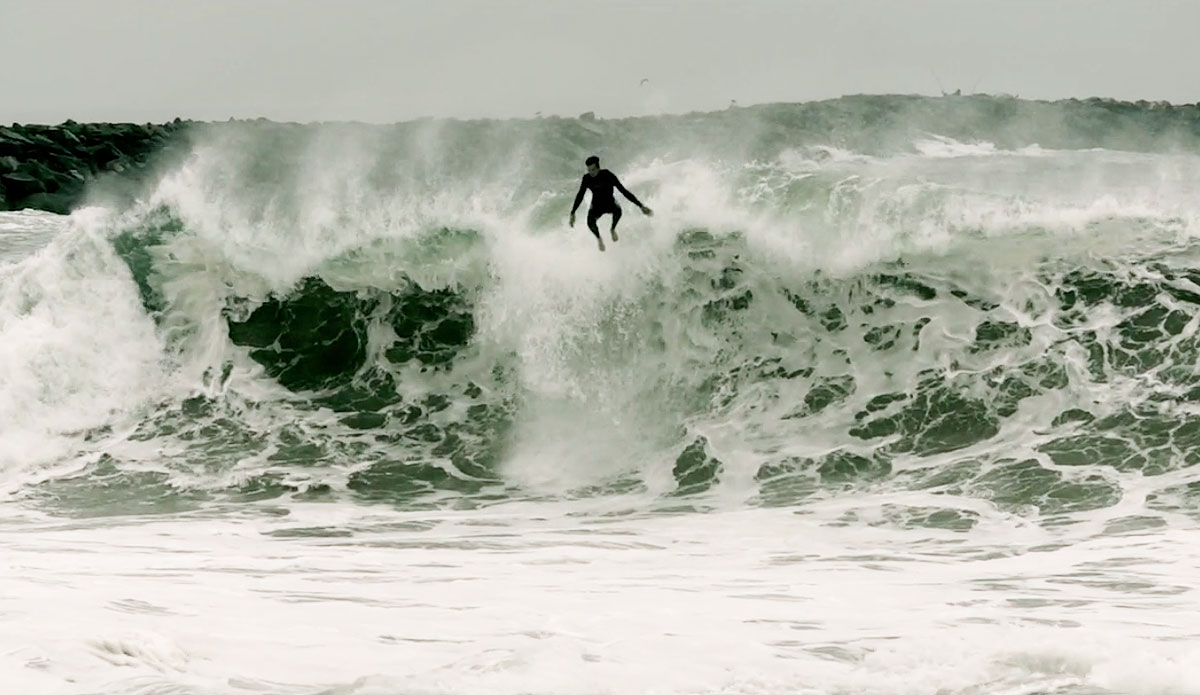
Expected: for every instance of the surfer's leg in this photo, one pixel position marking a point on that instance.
(594, 215)
(616, 217)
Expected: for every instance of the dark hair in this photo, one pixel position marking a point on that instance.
(592, 160)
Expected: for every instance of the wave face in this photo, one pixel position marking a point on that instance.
(984, 304)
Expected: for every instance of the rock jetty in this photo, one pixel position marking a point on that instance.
(47, 167)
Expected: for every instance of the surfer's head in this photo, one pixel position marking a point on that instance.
(593, 165)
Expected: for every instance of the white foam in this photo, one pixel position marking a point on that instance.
(940, 146)
(548, 598)
(76, 346)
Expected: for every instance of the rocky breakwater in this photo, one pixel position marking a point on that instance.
(49, 167)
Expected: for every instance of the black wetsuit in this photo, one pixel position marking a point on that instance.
(602, 185)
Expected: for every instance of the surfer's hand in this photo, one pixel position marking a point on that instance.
(571, 223)
(647, 211)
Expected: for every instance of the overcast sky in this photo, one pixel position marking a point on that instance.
(389, 60)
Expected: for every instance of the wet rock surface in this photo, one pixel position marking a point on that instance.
(48, 167)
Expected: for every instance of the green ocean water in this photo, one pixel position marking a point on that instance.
(975, 301)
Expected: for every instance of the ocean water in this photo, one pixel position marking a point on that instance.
(349, 410)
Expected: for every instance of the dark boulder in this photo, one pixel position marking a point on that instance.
(12, 136)
(58, 202)
(22, 183)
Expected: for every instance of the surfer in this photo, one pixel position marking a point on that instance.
(601, 182)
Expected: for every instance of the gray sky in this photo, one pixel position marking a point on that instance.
(389, 60)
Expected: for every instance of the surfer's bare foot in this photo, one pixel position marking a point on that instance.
(614, 234)
(601, 243)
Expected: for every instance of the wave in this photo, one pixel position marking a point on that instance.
(399, 314)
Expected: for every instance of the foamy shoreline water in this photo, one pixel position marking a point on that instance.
(534, 598)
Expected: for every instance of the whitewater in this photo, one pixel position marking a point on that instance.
(870, 405)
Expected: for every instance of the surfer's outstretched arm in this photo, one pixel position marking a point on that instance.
(632, 198)
(578, 199)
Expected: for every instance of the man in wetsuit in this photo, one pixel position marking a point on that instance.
(601, 182)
